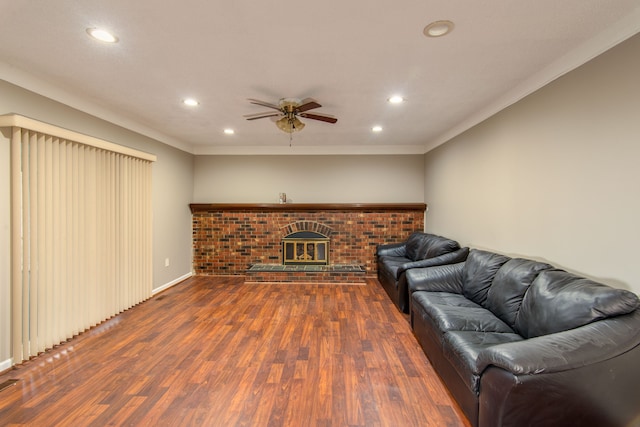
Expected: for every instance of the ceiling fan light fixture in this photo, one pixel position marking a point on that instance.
(290, 125)
(283, 125)
(438, 28)
(298, 125)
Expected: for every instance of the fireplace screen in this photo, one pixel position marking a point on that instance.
(305, 247)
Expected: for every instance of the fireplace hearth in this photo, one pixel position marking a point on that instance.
(305, 248)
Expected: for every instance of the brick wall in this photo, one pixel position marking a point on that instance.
(228, 240)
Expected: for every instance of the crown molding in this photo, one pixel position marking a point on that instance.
(34, 84)
(308, 150)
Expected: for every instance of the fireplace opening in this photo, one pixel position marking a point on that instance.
(305, 248)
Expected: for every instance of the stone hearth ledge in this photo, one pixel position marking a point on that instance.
(318, 274)
(343, 268)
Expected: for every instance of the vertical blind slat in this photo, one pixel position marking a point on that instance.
(34, 265)
(56, 241)
(76, 260)
(42, 245)
(26, 285)
(16, 242)
(50, 247)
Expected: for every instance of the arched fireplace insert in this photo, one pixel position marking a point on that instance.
(305, 248)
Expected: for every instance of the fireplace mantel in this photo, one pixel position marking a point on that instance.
(301, 207)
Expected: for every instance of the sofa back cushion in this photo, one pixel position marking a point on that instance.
(413, 246)
(558, 301)
(479, 270)
(510, 284)
(424, 245)
(435, 246)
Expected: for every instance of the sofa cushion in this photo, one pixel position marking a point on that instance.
(509, 287)
(453, 312)
(479, 270)
(435, 246)
(390, 260)
(444, 298)
(414, 246)
(558, 301)
(424, 245)
(462, 348)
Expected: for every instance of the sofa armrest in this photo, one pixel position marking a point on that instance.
(565, 350)
(404, 295)
(441, 278)
(599, 394)
(392, 249)
(449, 258)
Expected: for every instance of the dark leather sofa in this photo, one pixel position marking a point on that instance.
(521, 343)
(419, 250)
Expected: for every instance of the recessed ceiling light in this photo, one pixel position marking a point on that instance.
(190, 102)
(102, 35)
(229, 131)
(396, 99)
(438, 28)
(376, 129)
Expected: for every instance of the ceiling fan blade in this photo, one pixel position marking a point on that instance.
(264, 104)
(322, 117)
(262, 115)
(307, 104)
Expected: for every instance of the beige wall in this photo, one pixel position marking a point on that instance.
(309, 179)
(554, 177)
(172, 184)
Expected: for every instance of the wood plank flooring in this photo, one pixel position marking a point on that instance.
(214, 351)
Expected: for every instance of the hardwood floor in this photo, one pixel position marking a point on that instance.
(214, 351)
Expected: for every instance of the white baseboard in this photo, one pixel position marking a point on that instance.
(171, 283)
(5, 364)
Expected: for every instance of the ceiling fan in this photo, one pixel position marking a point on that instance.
(289, 109)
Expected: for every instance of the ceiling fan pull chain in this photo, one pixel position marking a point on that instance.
(292, 127)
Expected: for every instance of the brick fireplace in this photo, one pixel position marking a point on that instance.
(231, 238)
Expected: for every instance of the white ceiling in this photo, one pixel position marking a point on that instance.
(350, 55)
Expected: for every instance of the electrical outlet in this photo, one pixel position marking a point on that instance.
(166, 262)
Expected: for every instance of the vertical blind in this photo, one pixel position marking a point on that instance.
(81, 238)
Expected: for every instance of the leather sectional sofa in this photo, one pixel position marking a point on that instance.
(521, 343)
(419, 250)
